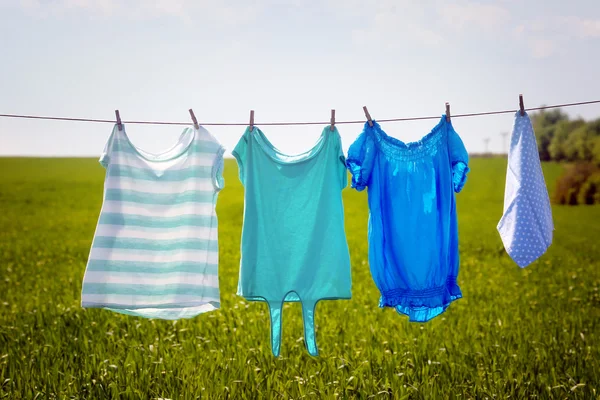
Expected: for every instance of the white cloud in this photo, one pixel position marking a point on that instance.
(470, 15)
(231, 13)
(583, 27)
(591, 28)
(547, 35)
(398, 24)
(542, 48)
(430, 23)
(388, 23)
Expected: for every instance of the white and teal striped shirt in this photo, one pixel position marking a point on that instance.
(155, 251)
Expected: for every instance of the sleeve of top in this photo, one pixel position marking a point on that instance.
(459, 159)
(239, 152)
(342, 164)
(105, 156)
(217, 170)
(361, 156)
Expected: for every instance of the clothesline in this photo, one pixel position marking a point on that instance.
(292, 123)
(157, 227)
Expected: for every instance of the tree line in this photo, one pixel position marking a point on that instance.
(576, 142)
(560, 138)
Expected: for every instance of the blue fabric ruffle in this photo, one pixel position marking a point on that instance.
(422, 305)
(459, 175)
(358, 181)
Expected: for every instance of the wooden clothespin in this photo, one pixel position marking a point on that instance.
(521, 106)
(332, 120)
(251, 120)
(194, 120)
(368, 115)
(119, 123)
(448, 112)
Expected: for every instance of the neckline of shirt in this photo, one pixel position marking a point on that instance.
(157, 157)
(289, 159)
(409, 150)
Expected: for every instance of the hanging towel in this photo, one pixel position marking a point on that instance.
(155, 251)
(413, 230)
(526, 226)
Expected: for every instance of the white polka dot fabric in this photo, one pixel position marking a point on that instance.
(526, 225)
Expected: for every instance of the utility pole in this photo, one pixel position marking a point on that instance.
(504, 136)
(486, 141)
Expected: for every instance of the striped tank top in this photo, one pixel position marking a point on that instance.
(155, 250)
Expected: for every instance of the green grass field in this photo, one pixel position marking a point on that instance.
(516, 333)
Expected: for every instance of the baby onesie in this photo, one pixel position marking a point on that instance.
(413, 231)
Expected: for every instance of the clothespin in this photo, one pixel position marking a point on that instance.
(332, 119)
(194, 120)
(368, 115)
(119, 123)
(251, 120)
(448, 112)
(521, 106)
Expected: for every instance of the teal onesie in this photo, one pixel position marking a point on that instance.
(294, 245)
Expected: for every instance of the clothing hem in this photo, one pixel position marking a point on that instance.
(91, 304)
(422, 305)
(160, 311)
(299, 300)
(525, 260)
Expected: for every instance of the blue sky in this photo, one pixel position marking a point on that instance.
(288, 60)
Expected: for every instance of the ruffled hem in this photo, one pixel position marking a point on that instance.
(422, 305)
(355, 168)
(459, 175)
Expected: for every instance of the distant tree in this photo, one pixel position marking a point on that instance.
(594, 142)
(560, 148)
(544, 125)
(595, 127)
(581, 141)
(570, 184)
(589, 193)
(575, 144)
(575, 141)
(596, 150)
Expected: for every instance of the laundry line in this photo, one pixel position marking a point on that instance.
(473, 114)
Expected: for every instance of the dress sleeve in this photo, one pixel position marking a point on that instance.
(106, 153)
(239, 152)
(361, 156)
(459, 159)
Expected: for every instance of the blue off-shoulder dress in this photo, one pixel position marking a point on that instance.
(413, 231)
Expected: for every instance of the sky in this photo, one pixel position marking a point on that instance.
(289, 61)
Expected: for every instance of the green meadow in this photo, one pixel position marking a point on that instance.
(516, 333)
